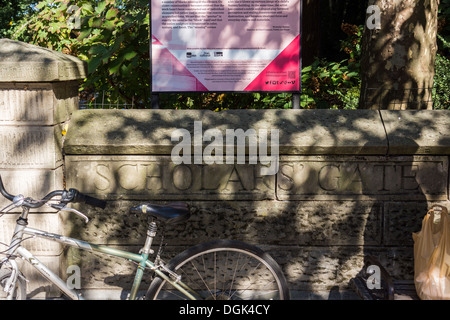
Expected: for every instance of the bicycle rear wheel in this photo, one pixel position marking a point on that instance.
(224, 270)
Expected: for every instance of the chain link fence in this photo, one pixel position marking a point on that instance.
(327, 98)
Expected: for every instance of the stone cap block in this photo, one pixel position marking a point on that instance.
(146, 132)
(23, 62)
(417, 131)
(319, 132)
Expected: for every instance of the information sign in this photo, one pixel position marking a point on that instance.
(225, 45)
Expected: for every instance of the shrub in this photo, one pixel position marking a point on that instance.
(441, 94)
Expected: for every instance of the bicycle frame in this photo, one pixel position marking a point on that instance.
(141, 259)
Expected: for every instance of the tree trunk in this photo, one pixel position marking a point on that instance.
(397, 60)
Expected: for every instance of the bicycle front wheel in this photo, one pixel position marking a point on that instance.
(20, 292)
(224, 270)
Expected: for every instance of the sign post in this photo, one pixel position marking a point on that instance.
(226, 45)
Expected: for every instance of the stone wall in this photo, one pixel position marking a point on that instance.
(350, 183)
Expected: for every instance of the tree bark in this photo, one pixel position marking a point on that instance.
(397, 63)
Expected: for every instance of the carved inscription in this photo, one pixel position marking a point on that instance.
(159, 178)
(299, 178)
(362, 177)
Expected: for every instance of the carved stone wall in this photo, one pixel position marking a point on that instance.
(349, 184)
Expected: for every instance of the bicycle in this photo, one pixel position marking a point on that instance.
(215, 270)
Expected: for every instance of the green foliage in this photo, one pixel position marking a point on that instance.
(330, 85)
(441, 94)
(112, 36)
(441, 81)
(352, 44)
(336, 85)
(11, 12)
(224, 101)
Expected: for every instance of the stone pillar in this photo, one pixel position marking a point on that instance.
(38, 93)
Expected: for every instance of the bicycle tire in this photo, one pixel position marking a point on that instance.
(215, 259)
(21, 286)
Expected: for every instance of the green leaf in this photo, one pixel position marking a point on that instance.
(109, 25)
(117, 44)
(87, 8)
(40, 5)
(115, 66)
(126, 69)
(335, 66)
(129, 55)
(93, 64)
(307, 69)
(100, 7)
(112, 13)
(98, 50)
(42, 34)
(96, 22)
(84, 34)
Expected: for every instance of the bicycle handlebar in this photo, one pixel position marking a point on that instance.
(73, 195)
(3, 191)
(80, 197)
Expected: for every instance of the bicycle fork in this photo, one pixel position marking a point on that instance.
(10, 285)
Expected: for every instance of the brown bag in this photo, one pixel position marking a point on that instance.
(432, 256)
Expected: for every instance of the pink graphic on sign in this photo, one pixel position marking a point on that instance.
(281, 74)
(172, 75)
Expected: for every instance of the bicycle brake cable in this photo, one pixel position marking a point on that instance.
(17, 202)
